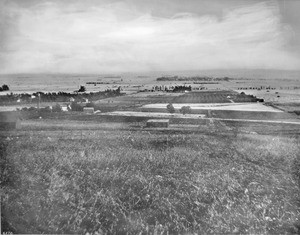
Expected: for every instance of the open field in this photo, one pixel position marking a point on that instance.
(229, 167)
(253, 111)
(77, 178)
(253, 107)
(216, 96)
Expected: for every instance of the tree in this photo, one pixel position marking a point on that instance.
(76, 107)
(185, 109)
(82, 89)
(118, 91)
(5, 87)
(57, 108)
(170, 108)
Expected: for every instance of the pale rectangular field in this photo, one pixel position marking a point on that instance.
(253, 107)
(152, 115)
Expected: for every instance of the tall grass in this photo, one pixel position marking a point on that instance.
(145, 182)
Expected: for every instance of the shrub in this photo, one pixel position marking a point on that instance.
(297, 112)
(185, 109)
(57, 108)
(82, 89)
(46, 110)
(95, 106)
(76, 107)
(32, 109)
(5, 87)
(91, 104)
(170, 108)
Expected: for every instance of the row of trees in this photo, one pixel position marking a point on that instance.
(193, 78)
(58, 96)
(183, 109)
(257, 88)
(182, 88)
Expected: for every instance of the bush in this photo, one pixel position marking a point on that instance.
(91, 104)
(82, 89)
(5, 87)
(31, 109)
(185, 109)
(76, 107)
(297, 112)
(95, 106)
(57, 108)
(170, 108)
(46, 110)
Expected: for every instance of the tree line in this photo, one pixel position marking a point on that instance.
(58, 96)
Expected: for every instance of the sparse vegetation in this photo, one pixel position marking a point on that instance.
(57, 180)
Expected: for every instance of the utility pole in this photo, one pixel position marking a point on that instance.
(38, 100)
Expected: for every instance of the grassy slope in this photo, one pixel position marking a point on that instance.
(123, 181)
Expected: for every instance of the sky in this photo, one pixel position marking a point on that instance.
(113, 36)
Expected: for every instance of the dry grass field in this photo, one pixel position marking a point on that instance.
(113, 179)
(73, 173)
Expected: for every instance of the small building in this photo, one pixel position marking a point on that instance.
(157, 123)
(88, 110)
(9, 120)
(64, 108)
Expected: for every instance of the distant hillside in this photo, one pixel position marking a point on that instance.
(193, 78)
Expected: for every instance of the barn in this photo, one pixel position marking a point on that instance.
(9, 120)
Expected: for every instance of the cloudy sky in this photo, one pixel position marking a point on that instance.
(101, 36)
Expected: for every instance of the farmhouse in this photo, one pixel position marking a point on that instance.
(157, 123)
(65, 108)
(9, 120)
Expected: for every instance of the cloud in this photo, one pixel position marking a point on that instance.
(73, 38)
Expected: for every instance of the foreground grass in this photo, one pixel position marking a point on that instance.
(120, 182)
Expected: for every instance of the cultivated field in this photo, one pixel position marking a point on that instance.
(216, 96)
(253, 107)
(112, 178)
